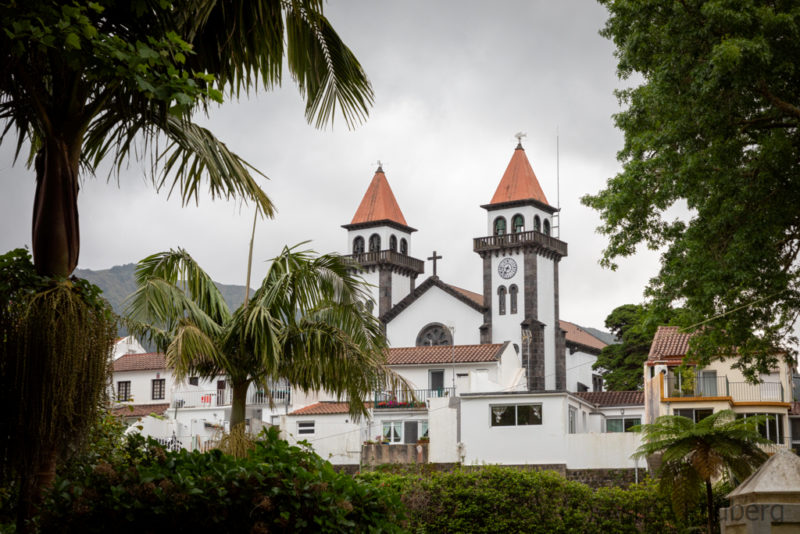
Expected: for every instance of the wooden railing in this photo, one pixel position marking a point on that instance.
(367, 259)
(493, 242)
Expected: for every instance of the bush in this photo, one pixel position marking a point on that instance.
(501, 499)
(278, 487)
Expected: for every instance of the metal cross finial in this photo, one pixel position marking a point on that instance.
(519, 136)
(380, 166)
(434, 258)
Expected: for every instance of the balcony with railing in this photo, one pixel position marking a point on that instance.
(496, 242)
(223, 397)
(390, 257)
(677, 386)
(413, 399)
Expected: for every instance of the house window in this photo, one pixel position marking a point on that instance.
(124, 390)
(772, 429)
(695, 415)
(393, 244)
(403, 247)
(159, 385)
(358, 245)
(434, 334)
(393, 432)
(622, 424)
(515, 414)
(501, 300)
(436, 379)
(500, 226)
(573, 423)
(305, 427)
(194, 381)
(518, 224)
(513, 291)
(546, 227)
(374, 243)
(537, 223)
(597, 382)
(408, 431)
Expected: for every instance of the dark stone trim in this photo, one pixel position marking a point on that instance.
(534, 362)
(560, 335)
(384, 291)
(524, 202)
(488, 299)
(382, 222)
(419, 291)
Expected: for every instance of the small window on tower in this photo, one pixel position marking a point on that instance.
(358, 245)
(518, 223)
(374, 243)
(537, 224)
(513, 291)
(546, 227)
(393, 244)
(500, 226)
(403, 247)
(501, 300)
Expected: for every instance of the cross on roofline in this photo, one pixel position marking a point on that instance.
(434, 258)
(519, 136)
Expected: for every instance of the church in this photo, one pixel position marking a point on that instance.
(500, 377)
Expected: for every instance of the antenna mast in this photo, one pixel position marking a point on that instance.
(557, 214)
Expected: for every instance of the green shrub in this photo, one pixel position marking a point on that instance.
(501, 499)
(278, 487)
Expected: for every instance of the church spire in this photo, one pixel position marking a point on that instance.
(379, 203)
(519, 182)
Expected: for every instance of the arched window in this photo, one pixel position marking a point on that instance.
(500, 226)
(537, 223)
(434, 334)
(501, 300)
(512, 291)
(546, 227)
(393, 243)
(358, 245)
(374, 243)
(403, 247)
(518, 224)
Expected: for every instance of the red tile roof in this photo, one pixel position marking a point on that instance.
(444, 354)
(140, 410)
(477, 298)
(669, 343)
(140, 362)
(324, 408)
(379, 203)
(519, 181)
(613, 398)
(576, 334)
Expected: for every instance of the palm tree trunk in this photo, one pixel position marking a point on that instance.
(239, 402)
(56, 235)
(712, 516)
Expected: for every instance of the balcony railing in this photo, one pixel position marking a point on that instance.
(367, 259)
(719, 386)
(223, 397)
(494, 242)
(406, 398)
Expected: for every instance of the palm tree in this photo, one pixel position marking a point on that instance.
(84, 81)
(694, 454)
(307, 323)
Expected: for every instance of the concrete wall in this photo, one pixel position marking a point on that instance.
(141, 385)
(507, 327)
(579, 369)
(383, 231)
(443, 431)
(435, 306)
(527, 212)
(336, 437)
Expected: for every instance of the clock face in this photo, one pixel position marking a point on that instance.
(507, 268)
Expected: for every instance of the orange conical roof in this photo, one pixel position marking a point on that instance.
(519, 181)
(379, 203)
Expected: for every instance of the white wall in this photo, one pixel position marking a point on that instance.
(127, 345)
(141, 385)
(579, 369)
(418, 375)
(443, 432)
(507, 327)
(526, 211)
(401, 287)
(546, 311)
(435, 306)
(336, 437)
(383, 231)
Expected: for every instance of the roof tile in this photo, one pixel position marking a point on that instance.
(613, 398)
(444, 354)
(140, 362)
(323, 408)
(519, 181)
(669, 343)
(576, 334)
(139, 410)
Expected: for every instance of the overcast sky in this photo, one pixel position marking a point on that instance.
(454, 81)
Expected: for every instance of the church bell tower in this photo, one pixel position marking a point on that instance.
(379, 239)
(520, 275)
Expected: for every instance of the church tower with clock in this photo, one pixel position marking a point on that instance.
(520, 275)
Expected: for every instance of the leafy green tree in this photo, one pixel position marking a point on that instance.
(634, 325)
(694, 454)
(85, 81)
(711, 131)
(307, 323)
